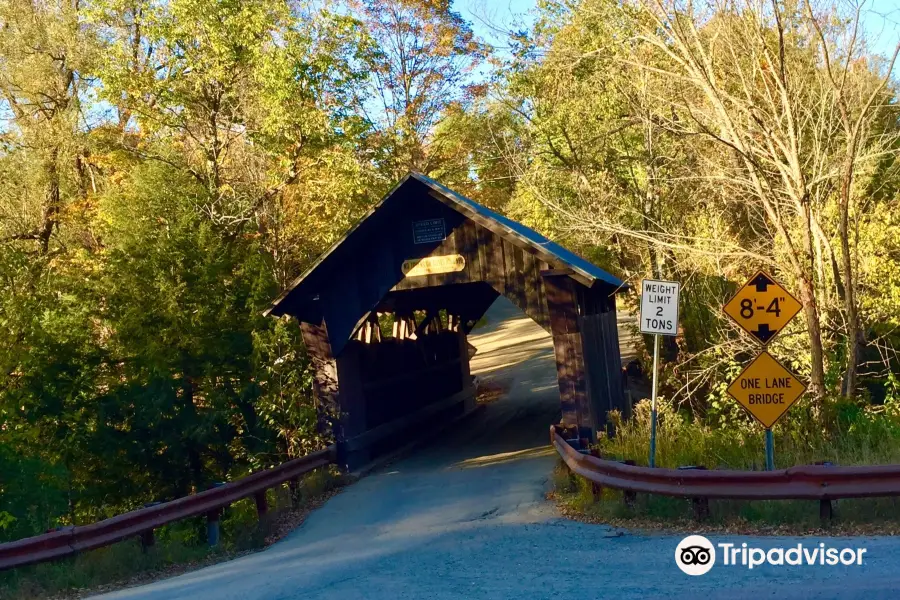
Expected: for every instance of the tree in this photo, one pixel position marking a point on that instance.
(200, 152)
(46, 53)
(420, 56)
(248, 99)
(469, 151)
(700, 144)
(772, 86)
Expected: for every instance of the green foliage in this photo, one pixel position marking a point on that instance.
(32, 494)
(853, 434)
(138, 254)
(169, 167)
(285, 382)
(179, 546)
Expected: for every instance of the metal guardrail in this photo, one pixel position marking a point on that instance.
(71, 540)
(807, 482)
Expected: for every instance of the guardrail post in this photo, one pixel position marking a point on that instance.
(262, 504)
(212, 527)
(700, 505)
(825, 512)
(147, 537)
(596, 488)
(629, 495)
(294, 487)
(147, 540)
(701, 508)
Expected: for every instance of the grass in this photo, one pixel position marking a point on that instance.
(851, 435)
(179, 547)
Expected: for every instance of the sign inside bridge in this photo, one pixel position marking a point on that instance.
(659, 307)
(762, 307)
(766, 389)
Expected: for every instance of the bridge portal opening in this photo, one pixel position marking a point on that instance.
(385, 314)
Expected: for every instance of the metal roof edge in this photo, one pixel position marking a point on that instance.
(484, 212)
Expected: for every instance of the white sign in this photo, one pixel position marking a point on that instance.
(659, 307)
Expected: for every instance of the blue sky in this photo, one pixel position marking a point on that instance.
(882, 23)
(487, 16)
(881, 19)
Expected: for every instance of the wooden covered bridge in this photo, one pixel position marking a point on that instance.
(385, 314)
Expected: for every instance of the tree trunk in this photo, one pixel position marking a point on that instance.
(50, 217)
(817, 355)
(808, 300)
(848, 386)
(195, 462)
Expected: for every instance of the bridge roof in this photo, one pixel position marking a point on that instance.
(506, 227)
(555, 255)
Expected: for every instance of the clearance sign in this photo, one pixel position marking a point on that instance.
(762, 307)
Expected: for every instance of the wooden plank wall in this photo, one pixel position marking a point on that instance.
(604, 370)
(586, 343)
(568, 347)
(401, 376)
(509, 269)
(374, 384)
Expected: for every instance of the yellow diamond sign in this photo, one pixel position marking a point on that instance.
(762, 307)
(766, 389)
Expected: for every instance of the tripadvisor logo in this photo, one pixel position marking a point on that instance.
(696, 555)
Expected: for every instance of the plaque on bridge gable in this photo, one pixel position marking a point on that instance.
(428, 231)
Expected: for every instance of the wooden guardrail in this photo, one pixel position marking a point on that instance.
(806, 482)
(71, 540)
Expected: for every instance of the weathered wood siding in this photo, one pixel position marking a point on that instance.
(371, 385)
(508, 268)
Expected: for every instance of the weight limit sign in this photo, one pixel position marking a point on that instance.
(659, 307)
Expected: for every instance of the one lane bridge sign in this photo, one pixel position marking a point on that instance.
(659, 307)
(762, 307)
(766, 389)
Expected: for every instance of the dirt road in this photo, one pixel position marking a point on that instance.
(466, 517)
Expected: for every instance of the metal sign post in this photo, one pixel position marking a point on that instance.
(659, 316)
(762, 308)
(652, 460)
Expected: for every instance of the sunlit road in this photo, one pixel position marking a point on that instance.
(466, 518)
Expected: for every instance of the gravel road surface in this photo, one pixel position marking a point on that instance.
(466, 517)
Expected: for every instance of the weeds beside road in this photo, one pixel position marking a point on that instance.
(852, 516)
(843, 433)
(851, 435)
(179, 547)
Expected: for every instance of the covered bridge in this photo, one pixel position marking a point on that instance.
(386, 310)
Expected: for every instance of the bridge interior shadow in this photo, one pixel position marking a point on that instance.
(516, 355)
